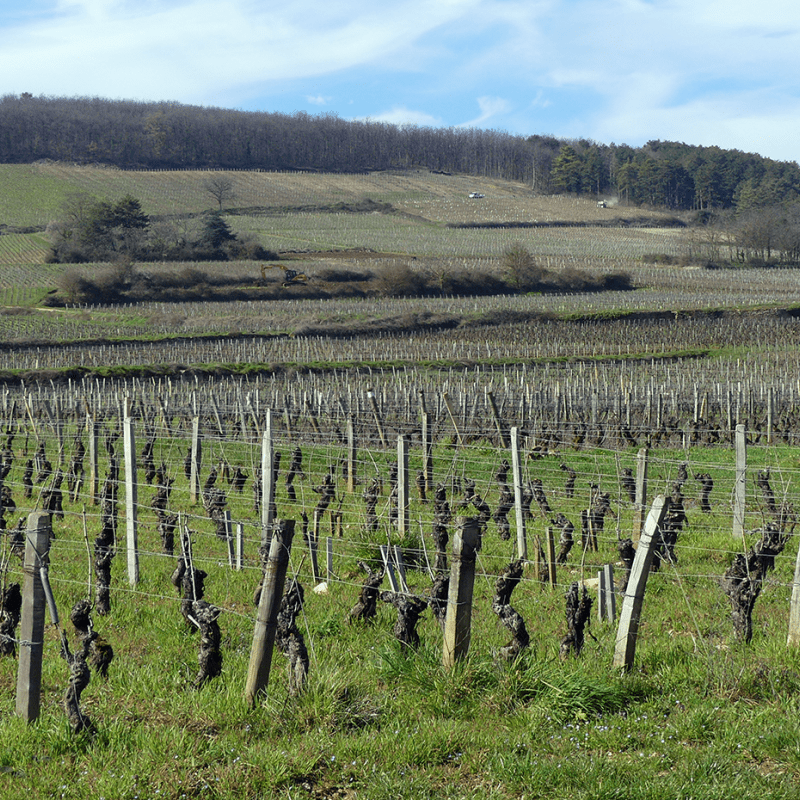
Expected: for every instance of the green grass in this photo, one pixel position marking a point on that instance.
(700, 715)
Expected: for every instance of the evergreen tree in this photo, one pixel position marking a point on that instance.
(215, 232)
(567, 173)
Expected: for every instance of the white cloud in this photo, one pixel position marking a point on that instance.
(399, 115)
(490, 107)
(189, 49)
(611, 70)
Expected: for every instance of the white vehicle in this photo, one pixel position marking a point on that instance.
(476, 195)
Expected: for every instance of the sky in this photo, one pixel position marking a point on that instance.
(703, 72)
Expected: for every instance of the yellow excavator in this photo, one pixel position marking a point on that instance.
(291, 277)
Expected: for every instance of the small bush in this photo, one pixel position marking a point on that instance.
(400, 280)
(341, 275)
(521, 270)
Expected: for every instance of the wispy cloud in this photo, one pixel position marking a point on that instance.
(718, 72)
(490, 107)
(400, 115)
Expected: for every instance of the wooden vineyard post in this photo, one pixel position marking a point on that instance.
(516, 470)
(401, 568)
(451, 412)
(329, 576)
(352, 452)
(427, 452)
(770, 412)
(267, 479)
(606, 594)
(377, 414)
(739, 485)
(131, 496)
(29, 675)
(226, 516)
(640, 505)
(458, 618)
(551, 557)
(631, 612)
(794, 609)
(402, 486)
(388, 566)
(498, 423)
(239, 546)
(94, 472)
(196, 459)
(267, 616)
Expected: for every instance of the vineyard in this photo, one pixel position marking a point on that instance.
(172, 458)
(339, 472)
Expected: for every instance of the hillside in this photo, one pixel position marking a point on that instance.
(136, 135)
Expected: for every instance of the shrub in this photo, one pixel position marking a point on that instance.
(520, 269)
(400, 280)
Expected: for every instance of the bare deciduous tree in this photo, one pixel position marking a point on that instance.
(220, 187)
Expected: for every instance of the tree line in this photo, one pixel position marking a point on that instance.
(163, 135)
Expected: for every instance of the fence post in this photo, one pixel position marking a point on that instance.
(516, 471)
(94, 473)
(551, 557)
(794, 609)
(611, 592)
(628, 630)
(458, 618)
(351, 455)
(131, 496)
(267, 479)
(640, 504)
(388, 565)
(239, 546)
(740, 484)
(402, 485)
(451, 412)
(226, 516)
(329, 559)
(268, 606)
(377, 414)
(497, 421)
(29, 675)
(196, 460)
(427, 452)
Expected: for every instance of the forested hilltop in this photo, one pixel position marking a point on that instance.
(162, 135)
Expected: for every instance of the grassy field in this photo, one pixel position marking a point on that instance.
(701, 715)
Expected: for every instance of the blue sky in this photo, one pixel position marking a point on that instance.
(722, 72)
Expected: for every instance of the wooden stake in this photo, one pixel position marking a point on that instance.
(94, 473)
(458, 619)
(740, 485)
(376, 412)
(402, 486)
(351, 455)
(131, 496)
(630, 615)
(452, 414)
(239, 546)
(640, 505)
(196, 459)
(29, 675)
(497, 421)
(267, 480)
(268, 606)
(794, 609)
(516, 470)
